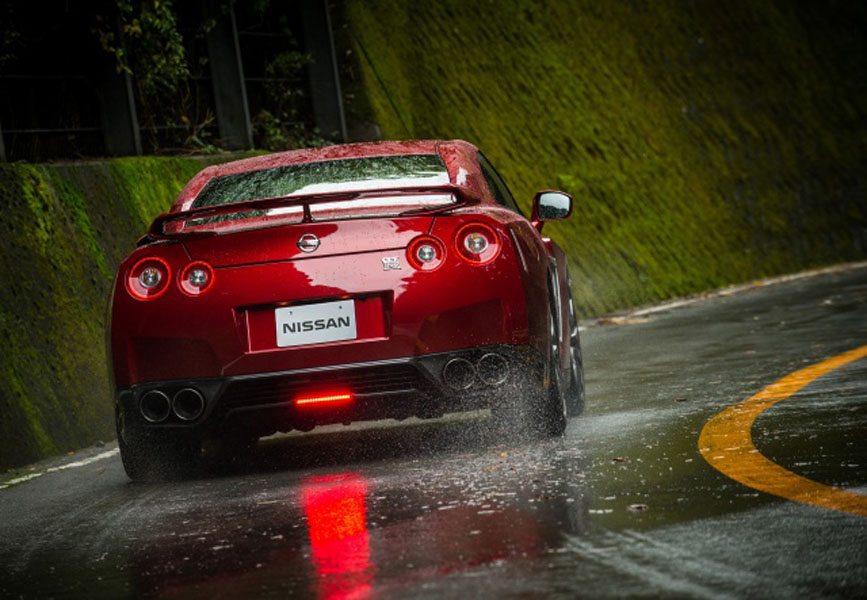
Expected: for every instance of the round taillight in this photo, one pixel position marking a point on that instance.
(426, 253)
(148, 279)
(196, 278)
(477, 243)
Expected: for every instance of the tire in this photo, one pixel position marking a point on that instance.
(156, 455)
(576, 394)
(551, 416)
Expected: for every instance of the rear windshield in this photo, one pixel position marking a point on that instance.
(351, 174)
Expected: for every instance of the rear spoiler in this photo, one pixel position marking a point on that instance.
(157, 229)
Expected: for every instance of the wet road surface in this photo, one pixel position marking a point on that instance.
(624, 505)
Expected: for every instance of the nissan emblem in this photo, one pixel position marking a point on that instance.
(308, 242)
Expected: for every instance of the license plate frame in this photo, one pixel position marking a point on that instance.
(318, 323)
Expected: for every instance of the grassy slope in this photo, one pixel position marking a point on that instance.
(65, 229)
(705, 143)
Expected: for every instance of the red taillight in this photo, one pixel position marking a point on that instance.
(196, 278)
(148, 279)
(323, 399)
(426, 253)
(477, 243)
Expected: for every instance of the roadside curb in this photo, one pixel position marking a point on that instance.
(78, 458)
(637, 315)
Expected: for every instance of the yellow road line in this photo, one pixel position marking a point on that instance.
(726, 443)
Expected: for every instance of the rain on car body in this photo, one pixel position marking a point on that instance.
(352, 282)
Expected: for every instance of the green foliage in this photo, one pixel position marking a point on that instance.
(158, 44)
(285, 66)
(156, 50)
(270, 132)
(149, 47)
(704, 143)
(284, 126)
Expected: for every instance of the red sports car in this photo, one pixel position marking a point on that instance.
(352, 282)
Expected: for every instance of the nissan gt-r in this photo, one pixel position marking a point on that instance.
(340, 284)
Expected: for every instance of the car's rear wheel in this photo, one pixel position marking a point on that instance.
(156, 455)
(575, 395)
(551, 415)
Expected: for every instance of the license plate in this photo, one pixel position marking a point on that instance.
(315, 323)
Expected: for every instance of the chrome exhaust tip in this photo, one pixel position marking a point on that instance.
(188, 404)
(459, 374)
(492, 369)
(155, 406)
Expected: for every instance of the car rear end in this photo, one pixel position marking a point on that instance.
(317, 311)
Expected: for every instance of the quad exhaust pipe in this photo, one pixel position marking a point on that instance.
(188, 404)
(155, 406)
(491, 369)
(459, 374)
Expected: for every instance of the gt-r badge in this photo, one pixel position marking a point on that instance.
(391, 263)
(308, 242)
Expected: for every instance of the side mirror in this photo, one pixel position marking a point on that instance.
(550, 205)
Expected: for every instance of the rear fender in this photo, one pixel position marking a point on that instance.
(531, 258)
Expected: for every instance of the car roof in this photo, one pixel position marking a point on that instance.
(460, 158)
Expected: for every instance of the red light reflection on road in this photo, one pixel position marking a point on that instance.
(337, 524)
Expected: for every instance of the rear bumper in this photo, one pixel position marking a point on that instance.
(425, 386)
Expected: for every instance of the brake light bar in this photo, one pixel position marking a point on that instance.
(323, 399)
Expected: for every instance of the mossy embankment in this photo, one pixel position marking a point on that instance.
(705, 143)
(65, 228)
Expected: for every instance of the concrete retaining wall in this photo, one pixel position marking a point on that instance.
(65, 228)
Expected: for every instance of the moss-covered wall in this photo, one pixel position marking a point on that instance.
(64, 228)
(705, 142)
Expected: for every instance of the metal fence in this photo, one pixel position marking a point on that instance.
(62, 96)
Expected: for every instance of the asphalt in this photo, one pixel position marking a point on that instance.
(624, 505)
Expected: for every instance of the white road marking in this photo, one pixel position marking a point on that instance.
(73, 465)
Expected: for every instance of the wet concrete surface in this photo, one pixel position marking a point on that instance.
(623, 506)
